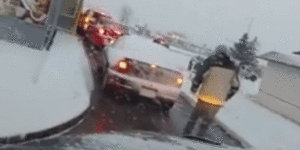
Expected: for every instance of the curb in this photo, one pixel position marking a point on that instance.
(228, 130)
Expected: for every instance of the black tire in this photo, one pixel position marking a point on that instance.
(167, 105)
(98, 75)
(253, 78)
(107, 89)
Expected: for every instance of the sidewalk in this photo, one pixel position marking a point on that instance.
(258, 126)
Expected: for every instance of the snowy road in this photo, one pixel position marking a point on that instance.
(113, 113)
(118, 115)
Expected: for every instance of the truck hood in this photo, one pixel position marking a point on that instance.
(61, 92)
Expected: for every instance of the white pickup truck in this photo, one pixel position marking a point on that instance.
(142, 67)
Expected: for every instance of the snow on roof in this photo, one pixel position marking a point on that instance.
(283, 58)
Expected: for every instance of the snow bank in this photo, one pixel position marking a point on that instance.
(139, 142)
(260, 127)
(60, 93)
(249, 88)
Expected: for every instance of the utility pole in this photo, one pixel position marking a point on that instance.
(126, 14)
(249, 26)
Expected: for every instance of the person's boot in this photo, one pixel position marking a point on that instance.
(202, 130)
(194, 88)
(188, 128)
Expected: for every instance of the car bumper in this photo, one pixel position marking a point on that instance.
(142, 87)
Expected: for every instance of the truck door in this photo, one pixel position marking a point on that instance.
(27, 22)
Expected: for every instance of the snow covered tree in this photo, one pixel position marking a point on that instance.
(245, 50)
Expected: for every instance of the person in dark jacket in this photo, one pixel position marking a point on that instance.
(195, 63)
(219, 82)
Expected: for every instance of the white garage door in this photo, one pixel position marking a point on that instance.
(283, 82)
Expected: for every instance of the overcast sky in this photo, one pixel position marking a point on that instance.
(276, 23)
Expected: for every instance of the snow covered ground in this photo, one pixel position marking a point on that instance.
(260, 127)
(223, 22)
(60, 93)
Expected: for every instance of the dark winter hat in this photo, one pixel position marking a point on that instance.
(221, 49)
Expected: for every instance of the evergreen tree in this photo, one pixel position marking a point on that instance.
(245, 50)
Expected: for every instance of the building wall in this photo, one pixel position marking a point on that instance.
(280, 90)
(282, 81)
(68, 18)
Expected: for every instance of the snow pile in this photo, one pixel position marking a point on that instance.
(258, 126)
(249, 88)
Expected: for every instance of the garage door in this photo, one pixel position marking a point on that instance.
(283, 82)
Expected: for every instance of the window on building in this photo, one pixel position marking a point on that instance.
(69, 8)
(32, 11)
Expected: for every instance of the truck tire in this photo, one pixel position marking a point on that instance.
(107, 89)
(98, 75)
(166, 106)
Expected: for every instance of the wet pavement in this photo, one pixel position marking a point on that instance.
(117, 113)
(124, 113)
